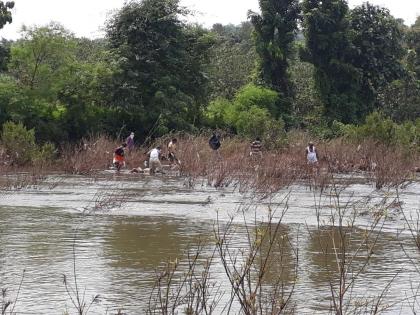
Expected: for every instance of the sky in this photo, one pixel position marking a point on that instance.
(87, 17)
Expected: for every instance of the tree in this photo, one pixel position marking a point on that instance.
(413, 41)
(4, 54)
(377, 40)
(160, 60)
(400, 99)
(5, 17)
(57, 86)
(232, 59)
(328, 48)
(5, 14)
(275, 31)
(40, 58)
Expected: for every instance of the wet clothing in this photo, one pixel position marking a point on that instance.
(311, 155)
(214, 142)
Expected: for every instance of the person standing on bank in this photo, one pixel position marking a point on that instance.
(215, 144)
(172, 146)
(311, 154)
(256, 148)
(130, 142)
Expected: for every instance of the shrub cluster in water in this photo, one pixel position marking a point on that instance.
(20, 148)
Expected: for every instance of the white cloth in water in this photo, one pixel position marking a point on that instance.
(311, 155)
(154, 155)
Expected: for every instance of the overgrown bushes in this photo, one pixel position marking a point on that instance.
(383, 130)
(252, 114)
(20, 146)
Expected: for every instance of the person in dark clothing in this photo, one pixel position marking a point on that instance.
(214, 142)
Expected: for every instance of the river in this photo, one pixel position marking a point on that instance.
(124, 227)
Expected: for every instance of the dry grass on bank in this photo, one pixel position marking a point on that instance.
(275, 169)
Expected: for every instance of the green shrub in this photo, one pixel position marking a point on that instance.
(251, 95)
(250, 114)
(383, 130)
(18, 142)
(45, 154)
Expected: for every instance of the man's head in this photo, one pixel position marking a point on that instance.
(311, 144)
(132, 135)
(174, 140)
(158, 148)
(258, 139)
(124, 144)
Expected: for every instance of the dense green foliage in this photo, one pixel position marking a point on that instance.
(413, 41)
(19, 144)
(232, 59)
(251, 113)
(5, 12)
(383, 130)
(154, 73)
(275, 32)
(327, 48)
(160, 62)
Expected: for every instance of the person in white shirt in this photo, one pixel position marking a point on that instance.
(311, 154)
(154, 160)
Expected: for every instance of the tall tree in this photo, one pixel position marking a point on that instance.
(413, 39)
(328, 48)
(5, 12)
(161, 76)
(275, 31)
(5, 17)
(232, 59)
(60, 84)
(377, 39)
(41, 57)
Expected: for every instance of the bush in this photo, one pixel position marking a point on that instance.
(19, 142)
(45, 154)
(251, 114)
(251, 95)
(383, 130)
(20, 145)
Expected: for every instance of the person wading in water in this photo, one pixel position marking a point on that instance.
(119, 158)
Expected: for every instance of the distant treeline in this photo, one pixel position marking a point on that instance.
(306, 65)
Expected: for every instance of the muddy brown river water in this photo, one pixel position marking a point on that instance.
(127, 226)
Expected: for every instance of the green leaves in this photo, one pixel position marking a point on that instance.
(161, 64)
(275, 31)
(5, 12)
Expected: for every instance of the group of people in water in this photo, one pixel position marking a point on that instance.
(154, 156)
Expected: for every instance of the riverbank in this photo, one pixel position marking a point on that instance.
(276, 168)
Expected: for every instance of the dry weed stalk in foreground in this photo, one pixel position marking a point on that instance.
(257, 284)
(345, 255)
